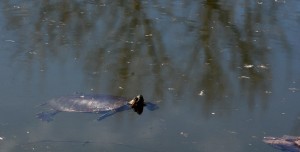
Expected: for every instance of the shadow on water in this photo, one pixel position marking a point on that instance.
(131, 43)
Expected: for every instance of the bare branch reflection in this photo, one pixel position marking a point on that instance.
(124, 47)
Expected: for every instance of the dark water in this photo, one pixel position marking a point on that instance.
(224, 73)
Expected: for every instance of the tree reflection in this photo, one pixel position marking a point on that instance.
(144, 46)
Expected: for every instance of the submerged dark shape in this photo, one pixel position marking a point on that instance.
(284, 143)
(106, 105)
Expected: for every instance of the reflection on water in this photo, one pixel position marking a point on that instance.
(219, 62)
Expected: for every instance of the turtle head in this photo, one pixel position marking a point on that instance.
(137, 104)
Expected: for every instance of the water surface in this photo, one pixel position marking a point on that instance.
(224, 73)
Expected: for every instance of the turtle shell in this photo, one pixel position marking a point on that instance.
(87, 103)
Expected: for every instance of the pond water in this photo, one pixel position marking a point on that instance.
(224, 73)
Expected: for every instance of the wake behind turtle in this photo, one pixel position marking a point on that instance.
(105, 105)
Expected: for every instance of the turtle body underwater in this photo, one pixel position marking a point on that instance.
(105, 105)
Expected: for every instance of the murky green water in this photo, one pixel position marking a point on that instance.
(224, 73)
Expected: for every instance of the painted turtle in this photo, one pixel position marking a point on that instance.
(106, 105)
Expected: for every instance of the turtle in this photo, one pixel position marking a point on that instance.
(284, 143)
(105, 105)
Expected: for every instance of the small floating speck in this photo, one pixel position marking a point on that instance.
(164, 64)
(95, 73)
(15, 6)
(82, 96)
(1, 138)
(268, 92)
(248, 66)
(232, 132)
(201, 93)
(293, 89)
(158, 101)
(32, 52)
(148, 35)
(262, 66)
(10, 41)
(244, 77)
(184, 134)
(283, 113)
(92, 89)
(213, 113)
(27, 132)
(121, 87)
(171, 89)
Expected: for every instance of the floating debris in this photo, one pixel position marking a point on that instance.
(248, 66)
(32, 52)
(231, 132)
(184, 134)
(268, 92)
(95, 73)
(262, 66)
(10, 41)
(201, 93)
(213, 113)
(284, 143)
(1, 138)
(293, 89)
(244, 77)
(171, 89)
